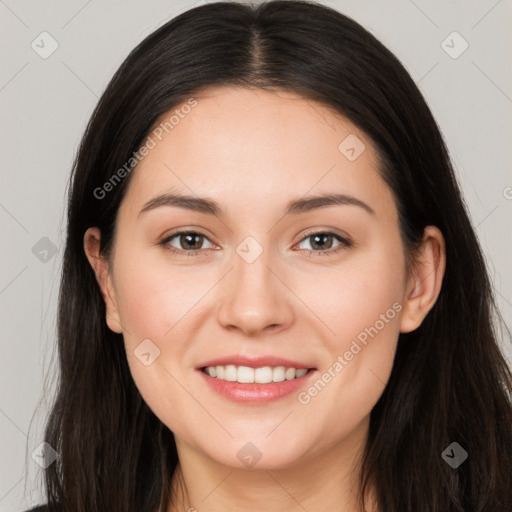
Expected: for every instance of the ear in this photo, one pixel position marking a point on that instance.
(100, 266)
(424, 284)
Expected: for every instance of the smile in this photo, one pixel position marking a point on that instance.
(244, 384)
(248, 375)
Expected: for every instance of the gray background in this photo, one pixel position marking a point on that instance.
(45, 104)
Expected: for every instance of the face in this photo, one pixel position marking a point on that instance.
(321, 285)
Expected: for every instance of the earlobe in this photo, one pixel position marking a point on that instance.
(425, 282)
(100, 267)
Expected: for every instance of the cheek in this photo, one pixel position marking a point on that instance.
(158, 301)
(360, 303)
(142, 304)
(153, 303)
(352, 296)
(154, 296)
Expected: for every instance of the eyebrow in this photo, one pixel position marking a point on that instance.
(295, 207)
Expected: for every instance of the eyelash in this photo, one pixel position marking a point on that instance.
(345, 243)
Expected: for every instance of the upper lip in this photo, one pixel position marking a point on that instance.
(254, 362)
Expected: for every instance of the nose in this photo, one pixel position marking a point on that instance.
(255, 298)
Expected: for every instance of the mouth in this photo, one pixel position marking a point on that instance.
(260, 375)
(255, 386)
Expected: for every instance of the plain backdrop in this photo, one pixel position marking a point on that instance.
(45, 104)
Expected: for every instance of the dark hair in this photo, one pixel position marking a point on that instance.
(449, 382)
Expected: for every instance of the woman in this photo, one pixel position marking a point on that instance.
(272, 297)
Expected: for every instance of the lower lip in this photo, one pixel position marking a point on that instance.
(255, 393)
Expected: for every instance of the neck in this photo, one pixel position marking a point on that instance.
(325, 481)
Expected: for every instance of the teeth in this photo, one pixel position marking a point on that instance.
(290, 373)
(278, 374)
(247, 375)
(230, 373)
(262, 375)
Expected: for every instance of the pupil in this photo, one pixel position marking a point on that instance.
(188, 237)
(316, 237)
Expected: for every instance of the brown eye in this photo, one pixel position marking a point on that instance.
(185, 241)
(191, 241)
(323, 243)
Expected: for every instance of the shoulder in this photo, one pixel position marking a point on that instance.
(39, 508)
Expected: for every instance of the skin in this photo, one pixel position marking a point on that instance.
(253, 151)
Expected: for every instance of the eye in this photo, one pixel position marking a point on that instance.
(321, 243)
(190, 241)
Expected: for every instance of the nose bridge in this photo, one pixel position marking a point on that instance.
(254, 297)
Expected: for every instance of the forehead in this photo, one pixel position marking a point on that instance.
(256, 144)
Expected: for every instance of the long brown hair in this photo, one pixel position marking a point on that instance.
(449, 383)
